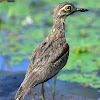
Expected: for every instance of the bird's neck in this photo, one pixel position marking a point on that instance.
(58, 29)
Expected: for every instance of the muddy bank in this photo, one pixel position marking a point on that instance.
(10, 81)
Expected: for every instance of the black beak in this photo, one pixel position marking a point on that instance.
(77, 10)
(81, 10)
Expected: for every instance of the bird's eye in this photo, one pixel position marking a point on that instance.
(68, 8)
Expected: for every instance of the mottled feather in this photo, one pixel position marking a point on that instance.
(48, 58)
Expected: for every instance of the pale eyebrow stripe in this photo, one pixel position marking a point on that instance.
(64, 7)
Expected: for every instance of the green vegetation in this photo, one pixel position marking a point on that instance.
(24, 24)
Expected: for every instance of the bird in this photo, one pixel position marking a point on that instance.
(50, 56)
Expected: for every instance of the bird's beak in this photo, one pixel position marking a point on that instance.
(77, 10)
(81, 10)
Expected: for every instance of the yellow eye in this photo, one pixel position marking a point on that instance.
(68, 8)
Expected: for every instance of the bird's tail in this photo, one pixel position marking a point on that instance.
(31, 80)
(27, 84)
(21, 92)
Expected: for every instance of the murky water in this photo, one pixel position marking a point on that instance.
(6, 67)
(63, 87)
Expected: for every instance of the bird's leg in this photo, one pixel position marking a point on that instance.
(54, 86)
(42, 91)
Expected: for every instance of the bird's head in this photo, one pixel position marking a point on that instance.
(65, 9)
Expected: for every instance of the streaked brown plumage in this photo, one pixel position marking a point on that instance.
(51, 55)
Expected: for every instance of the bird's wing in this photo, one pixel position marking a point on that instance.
(44, 54)
(43, 58)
